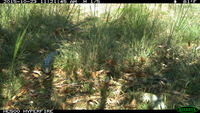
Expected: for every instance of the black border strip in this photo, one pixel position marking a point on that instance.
(67, 111)
(99, 1)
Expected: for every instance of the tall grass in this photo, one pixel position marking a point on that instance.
(18, 44)
(129, 33)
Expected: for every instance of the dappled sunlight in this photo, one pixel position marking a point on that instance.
(98, 56)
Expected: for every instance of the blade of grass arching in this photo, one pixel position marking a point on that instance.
(79, 13)
(75, 11)
(117, 12)
(120, 11)
(95, 10)
(70, 11)
(172, 27)
(17, 46)
(183, 18)
(108, 15)
(179, 18)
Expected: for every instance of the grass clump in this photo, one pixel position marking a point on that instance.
(103, 60)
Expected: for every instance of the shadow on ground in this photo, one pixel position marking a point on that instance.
(43, 36)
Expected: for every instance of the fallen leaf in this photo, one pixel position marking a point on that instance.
(9, 105)
(5, 70)
(57, 31)
(64, 106)
(93, 74)
(143, 75)
(22, 91)
(24, 71)
(107, 79)
(128, 70)
(35, 75)
(133, 103)
(96, 74)
(142, 59)
(160, 46)
(41, 51)
(111, 62)
(80, 73)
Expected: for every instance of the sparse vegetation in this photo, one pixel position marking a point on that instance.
(105, 62)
